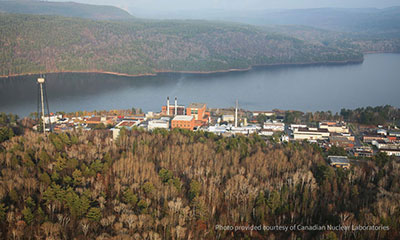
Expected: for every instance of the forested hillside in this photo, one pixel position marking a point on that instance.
(180, 185)
(366, 43)
(365, 29)
(374, 21)
(33, 44)
(67, 9)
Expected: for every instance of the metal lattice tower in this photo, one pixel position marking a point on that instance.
(43, 104)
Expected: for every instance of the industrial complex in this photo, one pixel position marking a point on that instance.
(236, 121)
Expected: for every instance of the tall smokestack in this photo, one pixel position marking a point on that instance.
(176, 106)
(167, 105)
(236, 113)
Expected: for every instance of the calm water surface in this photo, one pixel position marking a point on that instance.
(307, 88)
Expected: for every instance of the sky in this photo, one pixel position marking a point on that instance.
(170, 5)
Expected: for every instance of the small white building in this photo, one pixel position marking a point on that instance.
(381, 132)
(266, 132)
(266, 113)
(274, 126)
(394, 133)
(293, 126)
(149, 115)
(52, 119)
(228, 118)
(217, 129)
(382, 144)
(391, 152)
(158, 123)
(245, 129)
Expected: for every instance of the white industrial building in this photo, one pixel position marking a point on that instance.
(274, 126)
(217, 129)
(228, 118)
(334, 127)
(310, 134)
(245, 129)
(52, 119)
(266, 113)
(391, 152)
(158, 123)
(266, 132)
(385, 144)
(293, 126)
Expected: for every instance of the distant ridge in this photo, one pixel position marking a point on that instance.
(371, 21)
(66, 9)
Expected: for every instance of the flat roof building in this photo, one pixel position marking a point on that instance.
(158, 123)
(128, 124)
(198, 111)
(183, 121)
(391, 152)
(339, 161)
(266, 113)
(217, 129)
(334, 127)
(266, 132)
(363, 151)
(370, 138)
(228, 118)
(310, 134)
(274, 126)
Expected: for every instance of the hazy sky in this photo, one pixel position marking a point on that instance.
(168, 5)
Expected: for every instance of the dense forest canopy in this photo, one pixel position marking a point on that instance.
(9, 126)
(182, 184)
(34, 44)
(379, 115)
(372, 115)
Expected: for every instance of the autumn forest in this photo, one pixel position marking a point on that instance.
(182, 184)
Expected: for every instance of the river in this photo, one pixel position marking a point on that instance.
(307, 88)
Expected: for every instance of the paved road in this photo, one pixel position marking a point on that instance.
(357, 137)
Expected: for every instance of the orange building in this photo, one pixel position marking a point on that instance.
(184, 122)
(198, 111)
(172, 109)
(179, 109)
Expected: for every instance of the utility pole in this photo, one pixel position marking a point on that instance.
(236, 113)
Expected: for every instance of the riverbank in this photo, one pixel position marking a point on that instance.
(157, 72)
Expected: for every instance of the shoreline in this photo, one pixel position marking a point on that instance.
(88, 72)
(158, 72)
